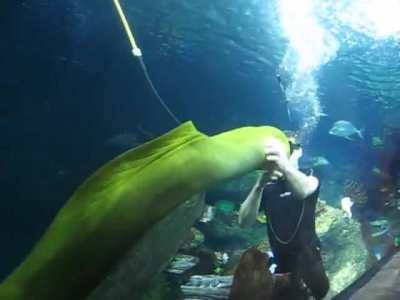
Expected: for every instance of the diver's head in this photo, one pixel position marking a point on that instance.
(296, 151)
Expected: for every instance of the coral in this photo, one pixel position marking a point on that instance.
(356, 191)
(198, 238)
(343, 251)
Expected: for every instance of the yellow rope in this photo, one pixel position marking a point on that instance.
(135, 49)
(138, 53)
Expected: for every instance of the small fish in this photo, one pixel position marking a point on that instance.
(381, 232)
(346, 205)
(123, 140)
(345, 129)
(315, 162)
(222, 257)
(378, 251)
(272, 268)
(377, 142)
(379, 223)
(376, 171)
(63, 172)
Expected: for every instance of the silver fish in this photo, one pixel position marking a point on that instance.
(345, 129)
(315, 162)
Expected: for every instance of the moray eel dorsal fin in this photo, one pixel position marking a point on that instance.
(118, 203)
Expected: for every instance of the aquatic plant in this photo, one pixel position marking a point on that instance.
(397, 241)
(262, 218)
(225, 206)
(198, 238)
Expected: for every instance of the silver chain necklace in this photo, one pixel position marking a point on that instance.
(295, 230)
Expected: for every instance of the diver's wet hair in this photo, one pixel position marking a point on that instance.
(293, 146)
(292, 137)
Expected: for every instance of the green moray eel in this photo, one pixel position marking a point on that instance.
(123, 199)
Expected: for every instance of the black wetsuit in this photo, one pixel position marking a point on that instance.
(294, 242)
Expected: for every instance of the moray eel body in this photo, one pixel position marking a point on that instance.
(116, 205)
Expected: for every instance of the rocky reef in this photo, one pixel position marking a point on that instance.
(343, 251)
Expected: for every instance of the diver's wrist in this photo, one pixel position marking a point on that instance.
(259, 187)
(287, 168)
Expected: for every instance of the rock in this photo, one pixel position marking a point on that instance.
(150, 255)
(182, 263)
(207, 287)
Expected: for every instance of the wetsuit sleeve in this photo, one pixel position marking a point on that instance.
(262, 203)
(314, 196)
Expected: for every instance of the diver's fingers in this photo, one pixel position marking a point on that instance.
(272, 158)
(272, 152)
(266, 173)
(274, 149)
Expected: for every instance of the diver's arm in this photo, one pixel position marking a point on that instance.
(299, 183)
(249, 208)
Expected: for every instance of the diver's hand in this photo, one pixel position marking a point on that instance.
(268, 176)
(263, 179)
(276, 159)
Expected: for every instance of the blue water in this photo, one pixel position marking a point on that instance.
(69, 83)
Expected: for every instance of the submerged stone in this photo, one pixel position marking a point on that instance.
(182, 263)
(207, 287)
(343, 251)
(150, 255)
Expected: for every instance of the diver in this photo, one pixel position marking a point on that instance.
(288, 197)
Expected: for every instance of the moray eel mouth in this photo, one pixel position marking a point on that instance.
(120, 201)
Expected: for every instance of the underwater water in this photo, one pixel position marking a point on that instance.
(72, 98)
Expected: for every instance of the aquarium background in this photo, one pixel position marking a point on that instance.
(72, 97)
